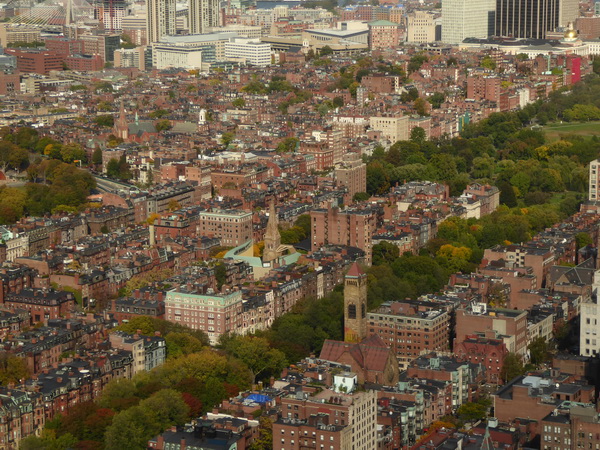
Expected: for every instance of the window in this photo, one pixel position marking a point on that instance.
(352, 311)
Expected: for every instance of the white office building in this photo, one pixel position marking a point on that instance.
(248, 51)
(463, 19)
(589, 325)
(165, 56)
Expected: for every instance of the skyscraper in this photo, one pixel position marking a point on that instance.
(463, 19)
(203, 14)
(160, 19)
(527, 19)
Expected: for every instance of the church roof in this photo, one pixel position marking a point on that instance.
(370, 354)
(355, 271)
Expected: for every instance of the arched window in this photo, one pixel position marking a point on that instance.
(352, 311)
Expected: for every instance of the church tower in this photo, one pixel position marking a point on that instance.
(272, 236)
(355, 305)
(121, 127)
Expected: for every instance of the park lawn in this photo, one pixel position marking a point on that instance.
(554, 131)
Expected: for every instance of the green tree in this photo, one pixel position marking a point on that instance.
(106, 121)
(583, 239)
(73, 152)
(472, 412)
(257, 354)
(97, 157)
(436, 99)
(488, 63)
(326, 50)
(512, 367)
(385, 253)
(163, 125)
(420, 106)
(239, 102)
(538, 351)
(227, 138)
(13, 369)
(360, 197)
(288, 145)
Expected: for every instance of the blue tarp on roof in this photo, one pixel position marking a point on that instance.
(259, 398)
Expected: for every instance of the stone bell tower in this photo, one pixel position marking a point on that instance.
(355, 304)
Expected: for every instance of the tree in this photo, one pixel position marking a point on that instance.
(13, 369)
(583, 239)
(360, 197)
(288, 145)
(265, 435)
(256, 353)
(385, 253)
(436, 99)
(179, 344)
(97, 157)
(163, 125)
(226, 138)
(239, 102)
(507, 194)
(472, 412)
(107, 121)
(418, 135)
(326, 50)
(420, 106)
(538, 351)
(488, 62)
(73, 152)
(512, 367)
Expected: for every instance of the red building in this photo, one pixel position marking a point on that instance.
(42, 304)
(64, 46)
(36, 61)
(488, 352)
(84, 63)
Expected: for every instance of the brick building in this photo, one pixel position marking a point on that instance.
(507, 324)
(42, 304)
(383, 34)
(215, 314)
(409, 327)
(36, 61)
(84, 63)
(348, 227)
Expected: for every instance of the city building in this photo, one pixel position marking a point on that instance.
(36, 61)
(527, 19)
(232, 227)
(248, 51)
(409, 327)
(352, 173)
(165, 56)
(594, 188)
(160, 19)
(349, 227)
(215, 314)
(393, 129)
(203, 15)
(509, 325)
(327, 419)
(131, 57)
(148, 351)
(383, 34)
(421, 27)
(463, 19)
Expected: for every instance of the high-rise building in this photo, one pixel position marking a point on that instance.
(355, 305)
(203, 14)
(594, 189)
(160, 19)
(527, 19)
(568, 12)
(463, 19)
(589, 329)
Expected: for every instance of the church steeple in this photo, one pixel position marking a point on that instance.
(272, 236)
(121, 127)
(355, 304)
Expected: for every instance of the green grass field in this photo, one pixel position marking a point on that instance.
(554, 131)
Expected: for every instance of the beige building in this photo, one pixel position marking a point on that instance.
(132, 57)
(232, 227)
(203, 15)
(352, 173)
(594, 189)
(392, 128)
(17, 33)
(421, 27)
(160, 19)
